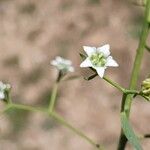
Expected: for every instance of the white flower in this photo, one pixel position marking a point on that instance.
(99, 59)
(3, 88)
(62, 64)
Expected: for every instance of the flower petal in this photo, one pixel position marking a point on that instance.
(67, 62)
(111, 62)
(71, 69)
(2, 96)
(54, 63)
(105, 49)
(59, 59)
(101, 71)
(86, 63)
(89, 50)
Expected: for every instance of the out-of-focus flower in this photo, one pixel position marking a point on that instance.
(99, 59)
(3, 89)
(62, 64)
(146, 88)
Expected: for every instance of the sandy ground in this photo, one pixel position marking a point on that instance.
(33, 32)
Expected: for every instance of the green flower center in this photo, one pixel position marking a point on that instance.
(98, 60)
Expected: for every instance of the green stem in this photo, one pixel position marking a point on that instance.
(131, 92)
(5, 109)
(78, 132)
(28, 108)
(114, 84)
(53, 98)
(138, 59)
(120, 88)
(135, 73)
(9, 98)
(57, 117)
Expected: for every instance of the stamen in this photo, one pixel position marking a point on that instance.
(98, 60)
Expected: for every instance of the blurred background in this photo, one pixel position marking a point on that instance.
(32, 33)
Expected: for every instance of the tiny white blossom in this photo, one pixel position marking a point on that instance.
(62, 64)
(99, 59)
(3, 88)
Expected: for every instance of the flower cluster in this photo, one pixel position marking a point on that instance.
(99, 59)
(62, 64)
(3, 89)
(146, 88)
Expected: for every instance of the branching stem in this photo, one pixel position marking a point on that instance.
(53, 98)
(54, 115)
(127, 100)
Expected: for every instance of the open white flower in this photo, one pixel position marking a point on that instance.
(99, 59)
(62, 64)
(3, 88)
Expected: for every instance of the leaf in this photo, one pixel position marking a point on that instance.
(129, 133)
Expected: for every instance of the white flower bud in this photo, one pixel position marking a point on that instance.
(3, 89)
(62, 64)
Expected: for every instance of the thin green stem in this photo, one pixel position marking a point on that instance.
(131, 92)
(5, 109)
(135, 93)
(120, 88)
(62, 121)
(53, 97)
(138, 59)
(135, 74)
(114, 84)
(28, 108)
(9, 98)
(57, 117)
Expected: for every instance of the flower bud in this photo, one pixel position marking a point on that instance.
(4, 90)
(146, 88)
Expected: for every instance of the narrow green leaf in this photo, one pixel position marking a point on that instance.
(129, 133)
